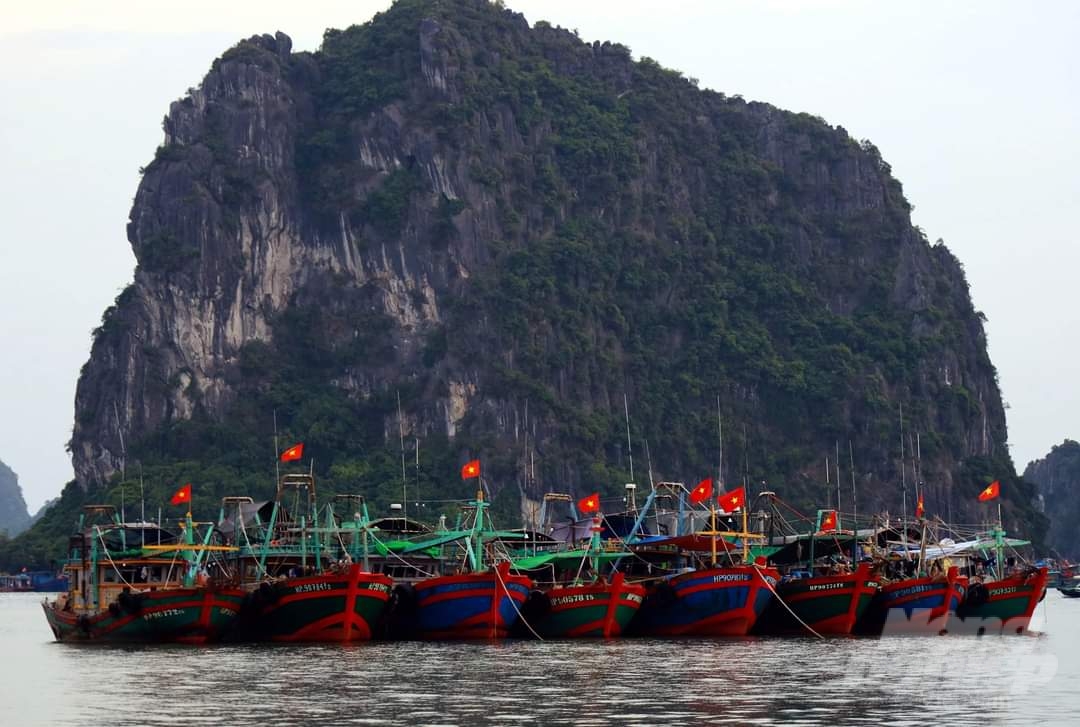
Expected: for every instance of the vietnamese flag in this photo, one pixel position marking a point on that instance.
(992, 490)
(828, 523)
(732, 501)
(590, 503)
(471, 469)
(182, 495)
(919, 509)
(293, 453)
(702, 492)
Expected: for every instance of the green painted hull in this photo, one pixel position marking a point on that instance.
(597, 610)
(334, 607)
(182, 615)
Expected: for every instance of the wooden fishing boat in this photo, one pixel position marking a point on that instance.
(1003, 606)
(477, 601)
(915, 606)
(566, 605)
(601, 609)
(829, 604)
(134, 582)
(482, 605)
(301, 580)
(1003, 600)
(818, 592)
(722, 601)
(340, 605)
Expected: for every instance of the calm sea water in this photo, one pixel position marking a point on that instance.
(902, 681)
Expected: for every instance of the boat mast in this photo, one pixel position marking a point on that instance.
(837, 484)
(854, 506)
(903, 487)
(720, 463)
(404, 484)
(629, 444)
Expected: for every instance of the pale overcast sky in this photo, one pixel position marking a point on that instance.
(974, 104)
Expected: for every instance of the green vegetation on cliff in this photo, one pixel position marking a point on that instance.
(569, 226)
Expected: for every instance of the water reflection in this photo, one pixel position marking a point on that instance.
(912, 681)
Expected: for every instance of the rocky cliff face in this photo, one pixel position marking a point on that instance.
(512, 229)
(1058, 477)
(14, 517)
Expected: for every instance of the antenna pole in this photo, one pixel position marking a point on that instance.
(828, 487)
(629, 446)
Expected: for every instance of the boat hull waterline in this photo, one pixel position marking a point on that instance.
(336, 607)
(709, 602)
(175, 615)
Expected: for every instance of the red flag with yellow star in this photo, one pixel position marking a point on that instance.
(182, 496)
(702, 492)
(919, 509)
(992, 490)
(590, 503)
(293, 453)
(828, 522)
(732, 501)
(470, 469)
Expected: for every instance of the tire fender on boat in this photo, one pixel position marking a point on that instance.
(403, 599)
(977, 595)
(130, 602)
(663, 595)
(268, 594)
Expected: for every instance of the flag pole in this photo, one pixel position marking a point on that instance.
(277, 455)
(712, 509)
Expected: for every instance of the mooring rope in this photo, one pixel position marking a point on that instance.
(757, 569)
(521, 616)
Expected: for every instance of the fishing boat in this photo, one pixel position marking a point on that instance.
(1070, 588)
(828, 604)
(302, 582)
(915, 606)
(1004, 600)
(701, 598)
(134, 582)
(578, 596)
(479, 602)
(819, 592)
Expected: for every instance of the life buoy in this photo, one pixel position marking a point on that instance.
(403, 599)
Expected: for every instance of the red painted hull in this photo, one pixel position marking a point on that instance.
(334, 607)
(829, 604)
(1004, 606)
